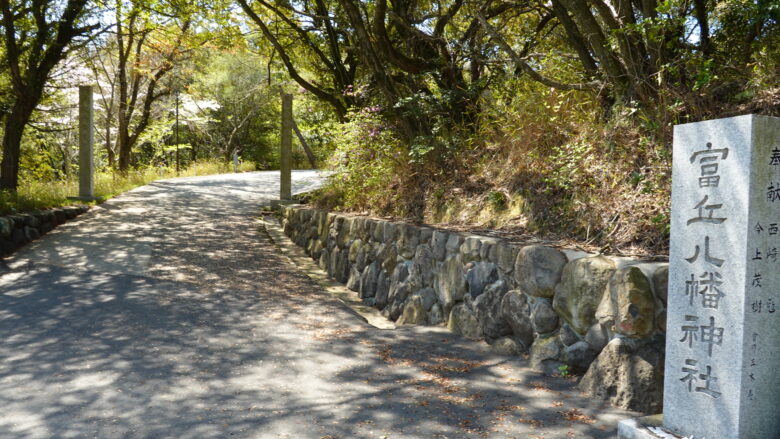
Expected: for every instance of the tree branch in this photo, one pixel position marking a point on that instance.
(525, 67)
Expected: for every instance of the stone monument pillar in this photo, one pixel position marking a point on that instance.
(86, 144)
(722, 372)
(285, 192)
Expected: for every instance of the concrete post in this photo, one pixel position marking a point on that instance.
(86, 144)
(285, 192)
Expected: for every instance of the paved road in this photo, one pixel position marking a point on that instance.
(166, 313)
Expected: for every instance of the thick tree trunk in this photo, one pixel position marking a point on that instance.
(12, 140)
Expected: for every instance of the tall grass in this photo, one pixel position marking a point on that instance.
(38, 194)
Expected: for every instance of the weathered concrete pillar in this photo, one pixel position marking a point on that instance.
(285, 192)
(86, 144)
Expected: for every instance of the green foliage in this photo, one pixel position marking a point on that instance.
(497, 200)
(567, 161)
(367, 162)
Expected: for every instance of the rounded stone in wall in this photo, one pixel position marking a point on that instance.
(368, 281)
(486, 247)
(582, 286)
(632, 303)
(378, 232)
(597, 337)
(487, 310)
(568, 336)
(345, 237)
(353, 282)
(454, 242)
(517, 313)
(17, 237)
(389, 258)
(629, 375)
(423, 268)
(544, 318)
(382, 289)
(507, 346)
(28, 220)
(314, 232)
(413, 312)
(341, 272)
(313, 248)
(538, 270)
(579, 356)
(400, 289)
(439, 244)
(47, 227)
(333, 262)
(44, 216)
(364, 228)
(5, 227)
(661, 283)
(396, 299)
(59, 217)
(354, 248)
(479, 276)
(354, 227)
(373, 252)
(324, 261)
(426, 233)
(31, 233)
(390, 232)
(427, 297)
(408, 240)
(469, 250)
(545, 350)
(323, 225)
(450, 284)
(435, 315)
(462, 321)
(71, 211)
(333, 232)
(362, 258)
(504, 256)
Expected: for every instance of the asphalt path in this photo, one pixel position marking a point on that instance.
(167, 313)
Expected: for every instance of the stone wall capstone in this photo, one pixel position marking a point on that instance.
(597, 315)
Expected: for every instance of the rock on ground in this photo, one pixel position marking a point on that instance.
(630, 376)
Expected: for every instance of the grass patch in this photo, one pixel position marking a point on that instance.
(37, 194)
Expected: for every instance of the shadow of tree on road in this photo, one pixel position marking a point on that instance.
(188, 324)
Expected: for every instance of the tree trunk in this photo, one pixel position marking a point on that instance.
(109, 150)
(305, 145)
(12, 140)
(123, 145)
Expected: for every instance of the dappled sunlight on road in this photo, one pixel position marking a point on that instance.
(167, 313)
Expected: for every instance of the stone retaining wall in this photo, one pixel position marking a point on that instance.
(568, 311)
(19, 229)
